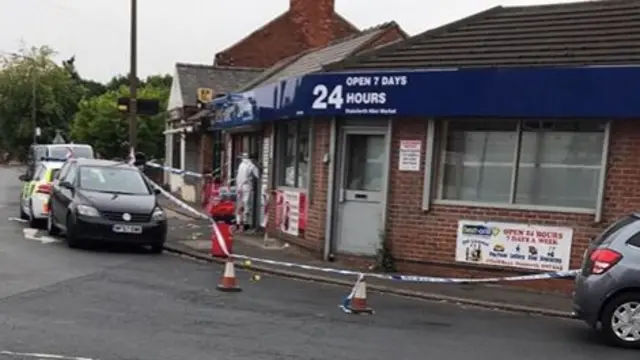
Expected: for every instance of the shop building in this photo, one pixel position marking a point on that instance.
(189, 143)
(188, 146)
(257, 139)
(499, 144)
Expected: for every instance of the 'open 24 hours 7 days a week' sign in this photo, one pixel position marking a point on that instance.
(359, 95)
(544, 248)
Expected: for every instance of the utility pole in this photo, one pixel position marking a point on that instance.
(34, 103)
(133, 81)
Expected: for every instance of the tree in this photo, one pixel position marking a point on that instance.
(118, 81)
(91, 88)
(56, 100)
(99, 123)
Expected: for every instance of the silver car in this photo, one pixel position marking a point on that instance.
(607, 289)
(34, 196)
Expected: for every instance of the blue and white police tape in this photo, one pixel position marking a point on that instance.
(392, 277)
(415, 278)
(178, 171)
(182, 204)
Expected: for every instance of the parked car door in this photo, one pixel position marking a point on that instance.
(27, 188)
(61, 197)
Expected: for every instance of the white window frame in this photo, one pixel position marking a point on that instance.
(435, 156)
(280, 148)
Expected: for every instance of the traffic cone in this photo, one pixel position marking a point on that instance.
(228, 281)
(358, 303)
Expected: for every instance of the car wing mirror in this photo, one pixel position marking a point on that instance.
(157, 191)
(23, 177)
(66, 185)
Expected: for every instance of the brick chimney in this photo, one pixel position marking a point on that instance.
(314, 19)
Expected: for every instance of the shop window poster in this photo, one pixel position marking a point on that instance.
(290, 211)
(534, 247)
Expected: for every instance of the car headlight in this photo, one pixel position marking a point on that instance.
(85, 210)
(158, 214)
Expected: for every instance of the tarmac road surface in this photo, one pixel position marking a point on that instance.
(110, 304)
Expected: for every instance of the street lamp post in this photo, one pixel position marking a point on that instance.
(133, 79)
(34, 103)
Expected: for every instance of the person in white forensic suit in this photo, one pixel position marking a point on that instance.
(247, 173)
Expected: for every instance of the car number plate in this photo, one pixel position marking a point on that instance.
(127, 229)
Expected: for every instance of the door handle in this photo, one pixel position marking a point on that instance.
(361, 196)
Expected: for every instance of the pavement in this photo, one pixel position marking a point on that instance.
(113, 303)
(192, 237)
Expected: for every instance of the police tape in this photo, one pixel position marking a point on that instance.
(175, 171)
(393, 277)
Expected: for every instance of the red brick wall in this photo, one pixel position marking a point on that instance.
(313, 237)
(317, 210)
(307, 24)
(426, 241)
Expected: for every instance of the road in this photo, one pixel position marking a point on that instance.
(113, 304)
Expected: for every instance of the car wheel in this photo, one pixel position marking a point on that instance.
(33, 222)
(23, 215)
(621, 320)
(72, 238)
(52, 229)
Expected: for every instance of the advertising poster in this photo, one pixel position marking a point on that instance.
(264, 188)
(543, 248)
(290, 212)
(409, 155)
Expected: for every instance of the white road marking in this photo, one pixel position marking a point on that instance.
(44, 356)
(17, 219)
(32, 234)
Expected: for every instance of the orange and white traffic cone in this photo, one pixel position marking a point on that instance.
(357, 304)
(228, 282)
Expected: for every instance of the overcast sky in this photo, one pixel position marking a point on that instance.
(97, 31)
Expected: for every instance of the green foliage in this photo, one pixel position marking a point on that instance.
(80, 108)
(98, 122)
(56, 99)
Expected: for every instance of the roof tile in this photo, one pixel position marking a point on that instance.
(605, 32)
(221, 79)
(315, 59)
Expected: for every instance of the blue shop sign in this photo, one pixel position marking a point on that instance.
(578, 92)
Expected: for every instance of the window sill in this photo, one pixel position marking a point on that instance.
(541, 208)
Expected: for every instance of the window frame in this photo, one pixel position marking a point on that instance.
(435, 163)
(73, 168)
(280, 138)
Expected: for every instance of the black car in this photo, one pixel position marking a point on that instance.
(105, 201)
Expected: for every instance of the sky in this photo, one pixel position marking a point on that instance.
(97, 31)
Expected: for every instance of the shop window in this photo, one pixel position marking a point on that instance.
(293, 154)
(542, 163)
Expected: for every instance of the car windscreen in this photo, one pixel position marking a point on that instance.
(113, 179)
(60, 152)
